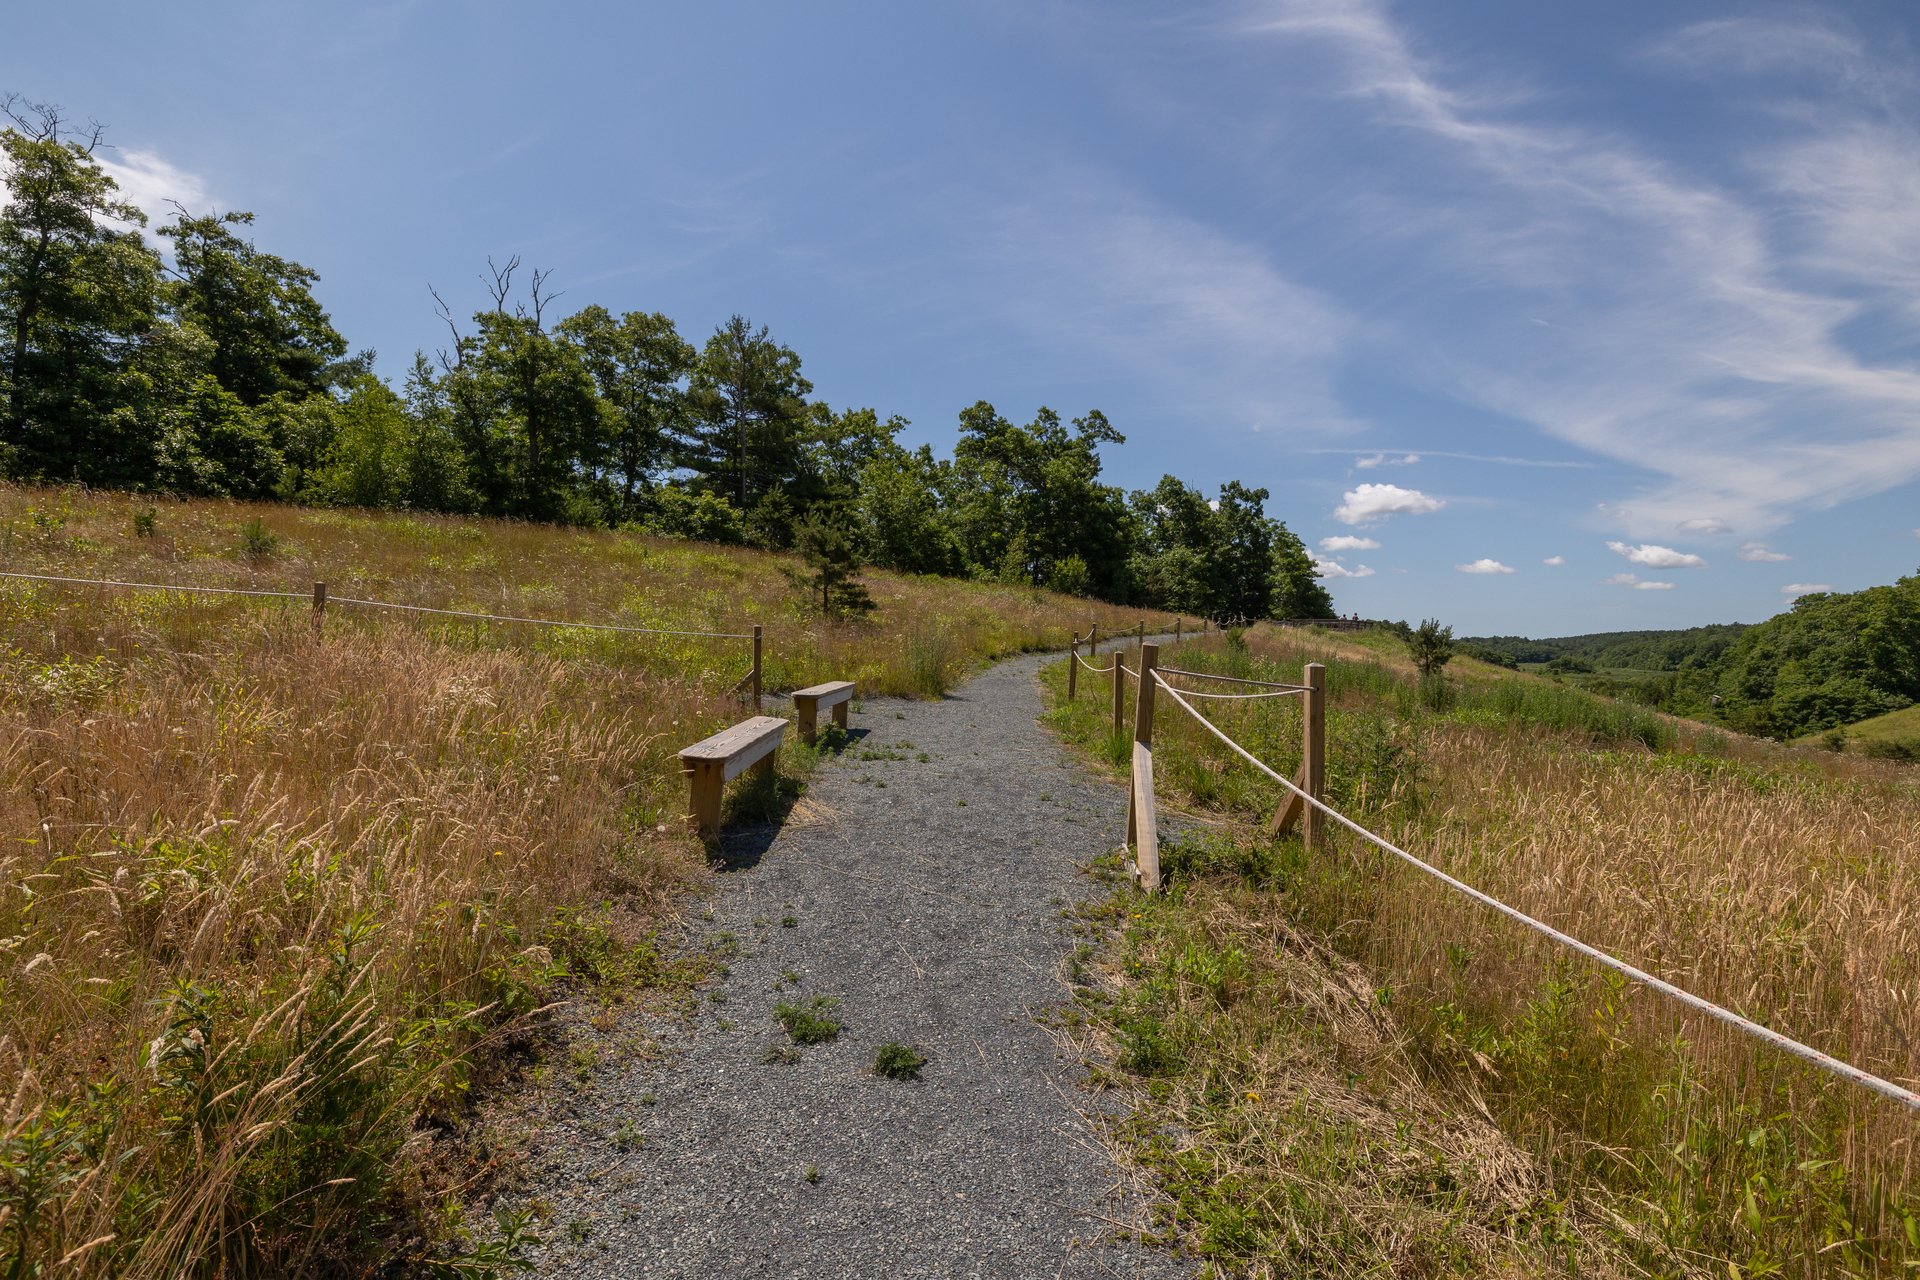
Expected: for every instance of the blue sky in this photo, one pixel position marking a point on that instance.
(1616, 305)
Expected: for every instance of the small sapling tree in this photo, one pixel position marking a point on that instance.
(1431, 646)
(827, 547)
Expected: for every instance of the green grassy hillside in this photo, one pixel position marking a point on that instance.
(1895, 735)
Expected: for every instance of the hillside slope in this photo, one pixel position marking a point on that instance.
(278, 889)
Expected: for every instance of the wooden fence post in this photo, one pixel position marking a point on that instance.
(1140, 638)
(756, 668)
(1073, 667)
(1119, 690)
(1313, 762)
(1142, 829)
(319, 607)
(1177, 624)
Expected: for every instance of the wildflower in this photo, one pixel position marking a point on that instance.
(1252, 1096)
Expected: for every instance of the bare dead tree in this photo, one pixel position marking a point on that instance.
(541, 298)
(500, 285)
(42, 122)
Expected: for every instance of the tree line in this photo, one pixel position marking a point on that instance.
(212, 369)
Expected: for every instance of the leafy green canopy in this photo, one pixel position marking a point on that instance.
(217, 371)
(1830, 660)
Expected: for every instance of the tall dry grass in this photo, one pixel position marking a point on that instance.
(1782, 884)
(264, 894)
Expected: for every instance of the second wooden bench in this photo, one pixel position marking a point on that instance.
(807, 702)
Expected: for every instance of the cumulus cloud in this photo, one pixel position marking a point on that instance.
(1485, 564)
(1334, 569)
(1348, 542)
(1382, 460)
(1657, 557)
(1375, 502)
(1638, 583)
(1555, 560)
(1794, 590)
(1759, 553)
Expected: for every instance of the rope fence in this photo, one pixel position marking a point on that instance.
(156, 586)
(320, 600)
(1306, 798)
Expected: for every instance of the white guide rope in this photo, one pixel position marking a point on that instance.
(156, 586)
(1828, 1062)
(538, 622)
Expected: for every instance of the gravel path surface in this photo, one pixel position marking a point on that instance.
(922, 885)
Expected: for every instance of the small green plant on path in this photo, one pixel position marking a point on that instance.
(897, 1061)
(810, 1021)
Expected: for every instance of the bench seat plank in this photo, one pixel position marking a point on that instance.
(739, 746)
(826, 695)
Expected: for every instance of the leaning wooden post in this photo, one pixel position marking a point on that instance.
(1119, 690)
(756, 668)
(1139, 778)
(319, 607)
(1073, 667)
(1313, 763)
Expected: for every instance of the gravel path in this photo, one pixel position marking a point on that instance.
(923, 885)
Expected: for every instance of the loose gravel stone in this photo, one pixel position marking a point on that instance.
(934, 923)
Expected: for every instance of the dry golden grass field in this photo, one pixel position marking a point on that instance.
(1782, 883)
(267, 895)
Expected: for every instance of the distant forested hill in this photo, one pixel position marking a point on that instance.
(1690, 649)
(1833, 659)
(1830, 660)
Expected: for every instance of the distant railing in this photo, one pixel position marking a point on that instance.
(1331, 624)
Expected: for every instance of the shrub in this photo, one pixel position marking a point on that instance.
(929, 660)
(257, 541)
(898, 1061)
(809, 1022)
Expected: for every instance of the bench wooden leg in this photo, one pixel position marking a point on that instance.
(840, 714)
(709, 784)
(808, 711)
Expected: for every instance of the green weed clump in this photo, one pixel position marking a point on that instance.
(896, 1061)
(809, 1021)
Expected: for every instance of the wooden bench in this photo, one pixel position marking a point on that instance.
(834, 693)
(714, 762)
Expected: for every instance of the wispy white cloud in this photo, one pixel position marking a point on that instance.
(1703, 524)
(1760, 553)
(1694, 333)
(1370, 503)
(1638, 583)
(1556, 561)
(1794, 590)
(1485, 565)
(1382, 460)
(151, 182)
(1569, 464)
(1348, 542)
(1657, 557)
(1084, 261)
